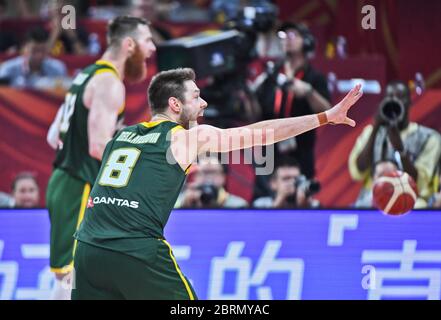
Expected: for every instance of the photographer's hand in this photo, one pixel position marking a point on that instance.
(282, 195)
(395, 138)
(397, 144)
(302, 200)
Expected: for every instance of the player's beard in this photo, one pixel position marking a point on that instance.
(186, 119)
(135, 68)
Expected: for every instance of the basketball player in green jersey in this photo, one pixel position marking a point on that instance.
(121, 252)
(91, 113)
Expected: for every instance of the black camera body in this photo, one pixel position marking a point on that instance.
(217, 53)
(255, 19)
(207, 53)
(209, 194)
(309, 186)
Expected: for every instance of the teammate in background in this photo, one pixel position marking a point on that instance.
(91, 113)
(121, 252)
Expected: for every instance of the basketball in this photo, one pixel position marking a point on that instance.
(395, 193)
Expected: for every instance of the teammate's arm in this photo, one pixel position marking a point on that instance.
(54, 130)
(107, 97)
(187, 144)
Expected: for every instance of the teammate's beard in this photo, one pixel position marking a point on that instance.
(135, 67)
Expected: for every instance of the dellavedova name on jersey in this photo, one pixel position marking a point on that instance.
(112, 201)
(132, 137)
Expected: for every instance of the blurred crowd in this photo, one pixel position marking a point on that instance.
(288, 85)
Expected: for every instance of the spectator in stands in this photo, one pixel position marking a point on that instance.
(153, 11)
(188, 10)
(34, 64)
(294, 88)
(414, 147)
(207, 190)
(22, 8)
(25, 191)
(289, 188)
(225, 10)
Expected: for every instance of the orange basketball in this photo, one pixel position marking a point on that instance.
(395, 193)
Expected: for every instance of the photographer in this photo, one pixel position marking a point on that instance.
(207, 188)
(414, 147)
(290, 188)
(292, 87)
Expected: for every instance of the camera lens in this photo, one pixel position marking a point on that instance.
(392, 110)
(209, 194)
(314, 187)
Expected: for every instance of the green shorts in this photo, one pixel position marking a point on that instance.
(66, 200)
(105, 274)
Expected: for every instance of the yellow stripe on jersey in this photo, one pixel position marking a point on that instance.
(84, 199)
(152, 124)
(178, 127)
(64, 270)
(108, 64)
(188, 169)
(187, 287)
(100, 71)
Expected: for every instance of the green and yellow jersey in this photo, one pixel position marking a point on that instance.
(73, 154)
(135, 191)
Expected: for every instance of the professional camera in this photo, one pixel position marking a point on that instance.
(309, 187)
(392, 111)
(223, 55)
(215, 53)
(209, 194)
(250, 21)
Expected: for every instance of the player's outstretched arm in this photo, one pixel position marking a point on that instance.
(107, 97)
(272, 131)
(187, 144)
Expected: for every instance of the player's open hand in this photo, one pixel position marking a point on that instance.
(338, 114)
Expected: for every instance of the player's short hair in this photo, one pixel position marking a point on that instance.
(121, 27)
(22, 176)
(167, 84)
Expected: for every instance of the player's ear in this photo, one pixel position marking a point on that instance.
(174, 104)
(129, 44)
